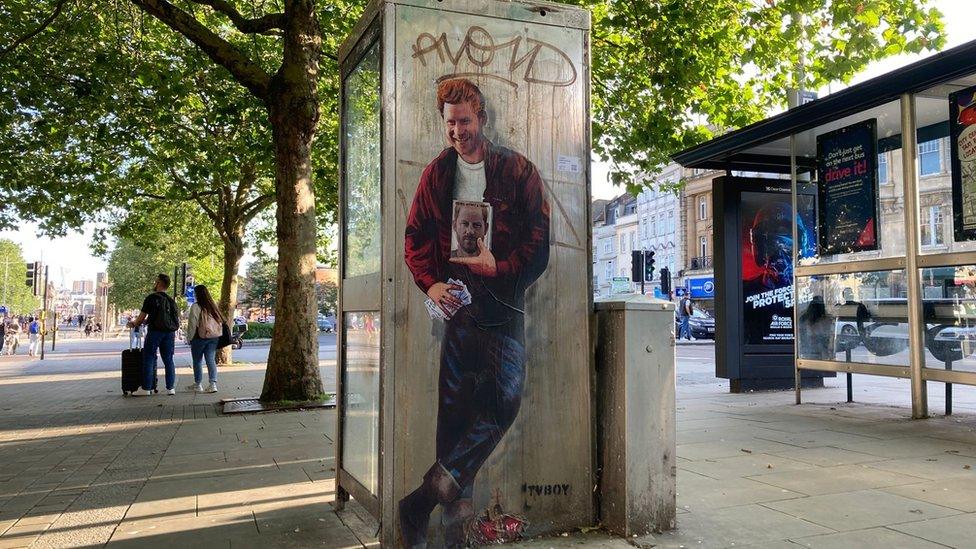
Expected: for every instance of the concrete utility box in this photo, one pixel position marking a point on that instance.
(636, 410)
(464, 354)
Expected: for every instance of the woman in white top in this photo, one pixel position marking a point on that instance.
(203, 329)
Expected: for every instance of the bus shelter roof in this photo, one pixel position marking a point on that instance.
(764, 145)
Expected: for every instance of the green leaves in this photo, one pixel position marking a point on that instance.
(668, 74)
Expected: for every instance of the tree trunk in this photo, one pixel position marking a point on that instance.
(233, 252)
(293, 364)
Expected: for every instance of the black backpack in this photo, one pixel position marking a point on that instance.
(167, 320)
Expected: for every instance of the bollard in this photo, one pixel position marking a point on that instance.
(636, 414)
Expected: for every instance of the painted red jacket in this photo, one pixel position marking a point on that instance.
(519, 228)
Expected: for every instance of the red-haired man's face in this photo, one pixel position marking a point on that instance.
(463, 128)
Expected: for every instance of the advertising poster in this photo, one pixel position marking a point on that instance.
(847, 175)
(766, 234)
(962, 129)
(491, 177)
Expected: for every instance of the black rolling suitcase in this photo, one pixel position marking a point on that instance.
(132, 371)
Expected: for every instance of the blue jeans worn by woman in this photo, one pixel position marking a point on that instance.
(201, 348)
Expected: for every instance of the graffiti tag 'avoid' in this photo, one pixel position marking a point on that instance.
(480, 48)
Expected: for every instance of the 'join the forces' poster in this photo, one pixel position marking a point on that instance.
(767, 263)
(962, 122)
(491, 170)
(848, 183)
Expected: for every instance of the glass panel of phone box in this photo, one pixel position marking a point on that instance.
(850, 198)
(946, 126)
(361, 390)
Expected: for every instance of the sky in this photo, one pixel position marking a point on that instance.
(70, 257)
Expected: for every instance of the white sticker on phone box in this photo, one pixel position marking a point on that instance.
(569, 164)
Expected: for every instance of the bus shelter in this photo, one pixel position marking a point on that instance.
(882, 231)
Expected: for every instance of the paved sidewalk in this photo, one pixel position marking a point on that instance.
(82, 466)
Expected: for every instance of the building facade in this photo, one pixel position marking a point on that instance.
(697, 235)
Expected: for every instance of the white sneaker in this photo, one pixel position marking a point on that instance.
(213, 387)
(141, 393)
(170, 391)
(195, 388)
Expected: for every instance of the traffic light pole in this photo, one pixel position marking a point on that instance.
(44, 314)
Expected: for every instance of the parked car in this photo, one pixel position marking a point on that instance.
(701, 323)
(326, 323)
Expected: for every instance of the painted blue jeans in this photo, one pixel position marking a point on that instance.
(481, 378)
(165, 343)
(200, 349)
(685, 328)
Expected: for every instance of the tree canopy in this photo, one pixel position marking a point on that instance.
(132, 269)
(14, 292)
(669, 74)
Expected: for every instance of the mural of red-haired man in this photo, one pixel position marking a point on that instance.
(482, 362)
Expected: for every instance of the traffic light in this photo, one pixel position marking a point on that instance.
(34, 277)
(649, 265)
(665, 281)
(637, 266)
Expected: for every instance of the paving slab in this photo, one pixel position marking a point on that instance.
(832, 480)
(859, 510)
(743, 466)
(871, 538)
(956, 531)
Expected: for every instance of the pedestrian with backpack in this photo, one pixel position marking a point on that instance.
(34, 336)
(203, 329)
(162, 323)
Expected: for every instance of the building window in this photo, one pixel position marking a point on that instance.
(933, 226)
(633, 240)
(653, 225)
(929, 157)
(670, 222)
(607, 245)
(702, 246)
(609, 271)
(647, 231)
(702, 208)
(623, 243)
(883, 169)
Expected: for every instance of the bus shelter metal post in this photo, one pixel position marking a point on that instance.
(909, 144)
(797, 376)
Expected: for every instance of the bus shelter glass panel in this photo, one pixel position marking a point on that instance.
(946, 125)
(949, 310)
(861, 317)
(361, 390)
(850, 188)
(362, 166)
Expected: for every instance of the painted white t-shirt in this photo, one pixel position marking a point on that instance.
(469, 183)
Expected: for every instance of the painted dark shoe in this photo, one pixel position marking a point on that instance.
(455, 519)
(414, 518)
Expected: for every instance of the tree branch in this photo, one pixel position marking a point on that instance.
(245, 70)
(40, 28)
(191, 196)
(252, 208)
(260, 25)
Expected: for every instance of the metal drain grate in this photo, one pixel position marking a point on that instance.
(253, 405)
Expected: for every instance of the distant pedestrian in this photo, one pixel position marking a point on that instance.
(3, 334)
(685, 311)
(88, 328)
(13, 337)
(159, 310)
(203, 328)
(34, 335)
(135, 334)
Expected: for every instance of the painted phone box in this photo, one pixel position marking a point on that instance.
(465, 363)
